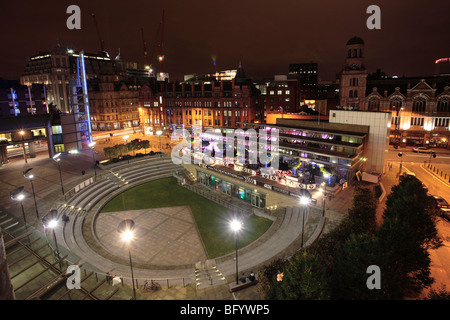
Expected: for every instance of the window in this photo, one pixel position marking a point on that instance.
(441, 122)
(443, 105)
(56, 130)
(419, 105)
(374, 104)
(416, 121)
(395, 104)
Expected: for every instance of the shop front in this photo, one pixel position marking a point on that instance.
(249, 195)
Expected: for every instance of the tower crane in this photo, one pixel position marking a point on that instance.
(102, 43)
(159, 43)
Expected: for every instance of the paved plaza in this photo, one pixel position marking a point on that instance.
(167, 236)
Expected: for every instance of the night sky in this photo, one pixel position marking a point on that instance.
(267, 35)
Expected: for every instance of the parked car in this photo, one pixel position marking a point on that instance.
(445, 213)
(424, 187)
(440, 202)
(407, 174)
(422, 150)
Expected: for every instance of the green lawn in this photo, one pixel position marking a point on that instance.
(212, 219)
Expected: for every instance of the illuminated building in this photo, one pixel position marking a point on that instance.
(114, 103)
(206, 103)
(57, 67)
(420, 106)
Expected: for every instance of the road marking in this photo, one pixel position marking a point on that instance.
(444, 183)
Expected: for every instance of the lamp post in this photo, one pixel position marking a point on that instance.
(305, 202)
(18, 195)
(22, 133)
(30, 177)
(125, 229)
(57, 158)
(91, 145)
(159, 133)
(236, 225)
(326, 176)
(432, 154)
(401, 163)
(52, 224)
(125, 138)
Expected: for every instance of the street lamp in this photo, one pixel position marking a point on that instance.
(30, 177)
(57, 158)
(125, 230)
(159, 133)
(22, 133)
(91, 145)
(401, 163)
(125, 138)
(18, 195)
(52, 224)
(236, 226)
(432, 154)
(304, 201)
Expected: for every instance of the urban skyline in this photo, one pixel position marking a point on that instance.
(202, 37)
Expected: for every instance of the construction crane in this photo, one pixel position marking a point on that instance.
(102, 43)
(158, 44)
(144, 43)
(161, 42)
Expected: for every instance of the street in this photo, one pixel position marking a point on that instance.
(417, 163)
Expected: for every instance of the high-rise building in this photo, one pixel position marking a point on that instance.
(306, 73)
(57, 67)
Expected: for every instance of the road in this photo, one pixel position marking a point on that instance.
(414, 162)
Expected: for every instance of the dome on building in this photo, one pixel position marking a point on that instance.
(355, 40)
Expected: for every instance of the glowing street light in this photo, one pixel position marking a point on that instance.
(18, 195)
(159, 133)
(52, 224)
(236, 226)
(125, 230)
(304, 201)
(30, 177)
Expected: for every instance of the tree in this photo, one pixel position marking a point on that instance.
(304, 278)
(110, 152)
(267, 278)
(362, 214)
(349, 276)
(145, 144)
(407, 232)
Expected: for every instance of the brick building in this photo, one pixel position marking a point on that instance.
(114, 103)
(207, 103)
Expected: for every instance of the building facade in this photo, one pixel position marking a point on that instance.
(205, 103)
(420, 106)
(55, 69)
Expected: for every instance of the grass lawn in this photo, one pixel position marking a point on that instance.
(212, 219)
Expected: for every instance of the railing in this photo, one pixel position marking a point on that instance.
(241, 208)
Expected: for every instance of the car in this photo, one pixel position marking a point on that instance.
(445, 213)
(422, 150)
(407, 174)
(424, 187)
(440, 202)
